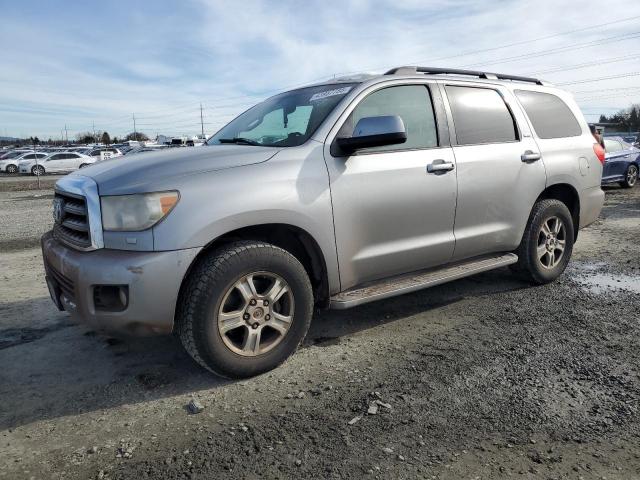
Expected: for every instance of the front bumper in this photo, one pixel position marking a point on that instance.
(153, 281)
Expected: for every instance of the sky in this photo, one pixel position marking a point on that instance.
(86, 63)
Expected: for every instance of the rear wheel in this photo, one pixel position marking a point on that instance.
(547, 243)
(12, 169)
(630, 177)
(37, 170)
(244, 309)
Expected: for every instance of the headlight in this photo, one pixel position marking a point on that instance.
(136, 212)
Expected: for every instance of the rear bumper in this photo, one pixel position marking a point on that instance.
(591, 202)
(152, 280)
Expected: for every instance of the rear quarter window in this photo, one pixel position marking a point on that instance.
(549, 115)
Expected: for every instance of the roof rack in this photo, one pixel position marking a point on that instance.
(456, 71)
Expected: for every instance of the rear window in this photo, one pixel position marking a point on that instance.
(480, 116)
(550, 116)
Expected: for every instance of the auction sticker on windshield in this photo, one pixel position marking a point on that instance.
(329, 93)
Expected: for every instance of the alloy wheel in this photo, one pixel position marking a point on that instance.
(551, 242)
(632, 175)
(256, 313)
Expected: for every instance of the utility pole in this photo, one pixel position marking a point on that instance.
(66, 134)
(135, 133)
(37, 165)
(201, 121)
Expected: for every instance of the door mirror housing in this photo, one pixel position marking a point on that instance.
(374, 132)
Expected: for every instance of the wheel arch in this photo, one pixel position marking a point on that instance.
(567, 194)
(295, 240)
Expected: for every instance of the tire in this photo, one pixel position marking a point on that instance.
(37, 170)
(540, 241)
(211, 291)
(630, 177)
(12, 169)
(83, 165)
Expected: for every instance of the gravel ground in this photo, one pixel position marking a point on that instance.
(486, 377)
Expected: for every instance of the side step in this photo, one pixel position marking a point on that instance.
(399, 285)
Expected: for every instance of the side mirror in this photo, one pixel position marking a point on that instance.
(374, 132)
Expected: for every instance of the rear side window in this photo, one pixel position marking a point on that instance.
(611, 146)
(550, 116)
(412, 103)
(480, 116)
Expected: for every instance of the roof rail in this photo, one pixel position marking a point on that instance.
(456, 71)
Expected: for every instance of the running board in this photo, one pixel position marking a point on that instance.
(399, 285)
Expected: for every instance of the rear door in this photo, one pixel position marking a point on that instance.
(391, 215)
(72, 162)
(499, 168)
(616, 161)
(55, 163)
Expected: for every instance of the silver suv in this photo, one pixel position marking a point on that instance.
(332, 195)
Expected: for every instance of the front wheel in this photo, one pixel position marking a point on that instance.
(547, 243)
(244, 309)
(37, 170)
(630, 177)
(12, 169)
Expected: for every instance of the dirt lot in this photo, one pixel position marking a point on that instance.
(482, 378)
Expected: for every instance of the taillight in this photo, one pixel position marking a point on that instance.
(599, 151)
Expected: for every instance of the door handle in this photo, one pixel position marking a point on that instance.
(530, 156)
(439, 166)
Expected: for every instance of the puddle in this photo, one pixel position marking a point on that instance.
(608, 282)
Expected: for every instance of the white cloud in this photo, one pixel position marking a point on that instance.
(233, 53)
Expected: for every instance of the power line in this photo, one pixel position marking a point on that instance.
(587, 64)
(599, 79)
(553, 51)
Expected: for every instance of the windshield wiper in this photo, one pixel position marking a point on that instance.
(239, 140)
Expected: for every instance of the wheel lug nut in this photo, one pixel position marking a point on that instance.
(255, 325)
(267, 317)
(265, 303)
(253, 301)
(246, 316)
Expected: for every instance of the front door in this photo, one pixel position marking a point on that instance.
(391, 215)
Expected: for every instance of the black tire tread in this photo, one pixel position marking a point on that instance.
(201, 278)
(524, 268)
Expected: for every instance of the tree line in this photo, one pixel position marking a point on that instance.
(627, 119)
(105, 138)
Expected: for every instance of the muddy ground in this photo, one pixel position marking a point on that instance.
(483, 378)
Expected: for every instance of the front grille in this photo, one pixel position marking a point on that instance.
(71, 220)
(65, 283)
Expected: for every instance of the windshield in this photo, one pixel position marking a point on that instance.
(286, 120)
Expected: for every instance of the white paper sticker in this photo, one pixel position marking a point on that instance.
(329, 93)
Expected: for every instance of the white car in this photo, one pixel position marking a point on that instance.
(9, 162)
(109, 152)
(56, 163)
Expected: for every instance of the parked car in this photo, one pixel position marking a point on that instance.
(13, 153)
(56, 163)
(10, 165)
(96, 152)
(622, 162)
(332, 195)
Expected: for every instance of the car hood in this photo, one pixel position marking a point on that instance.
(144, 171)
